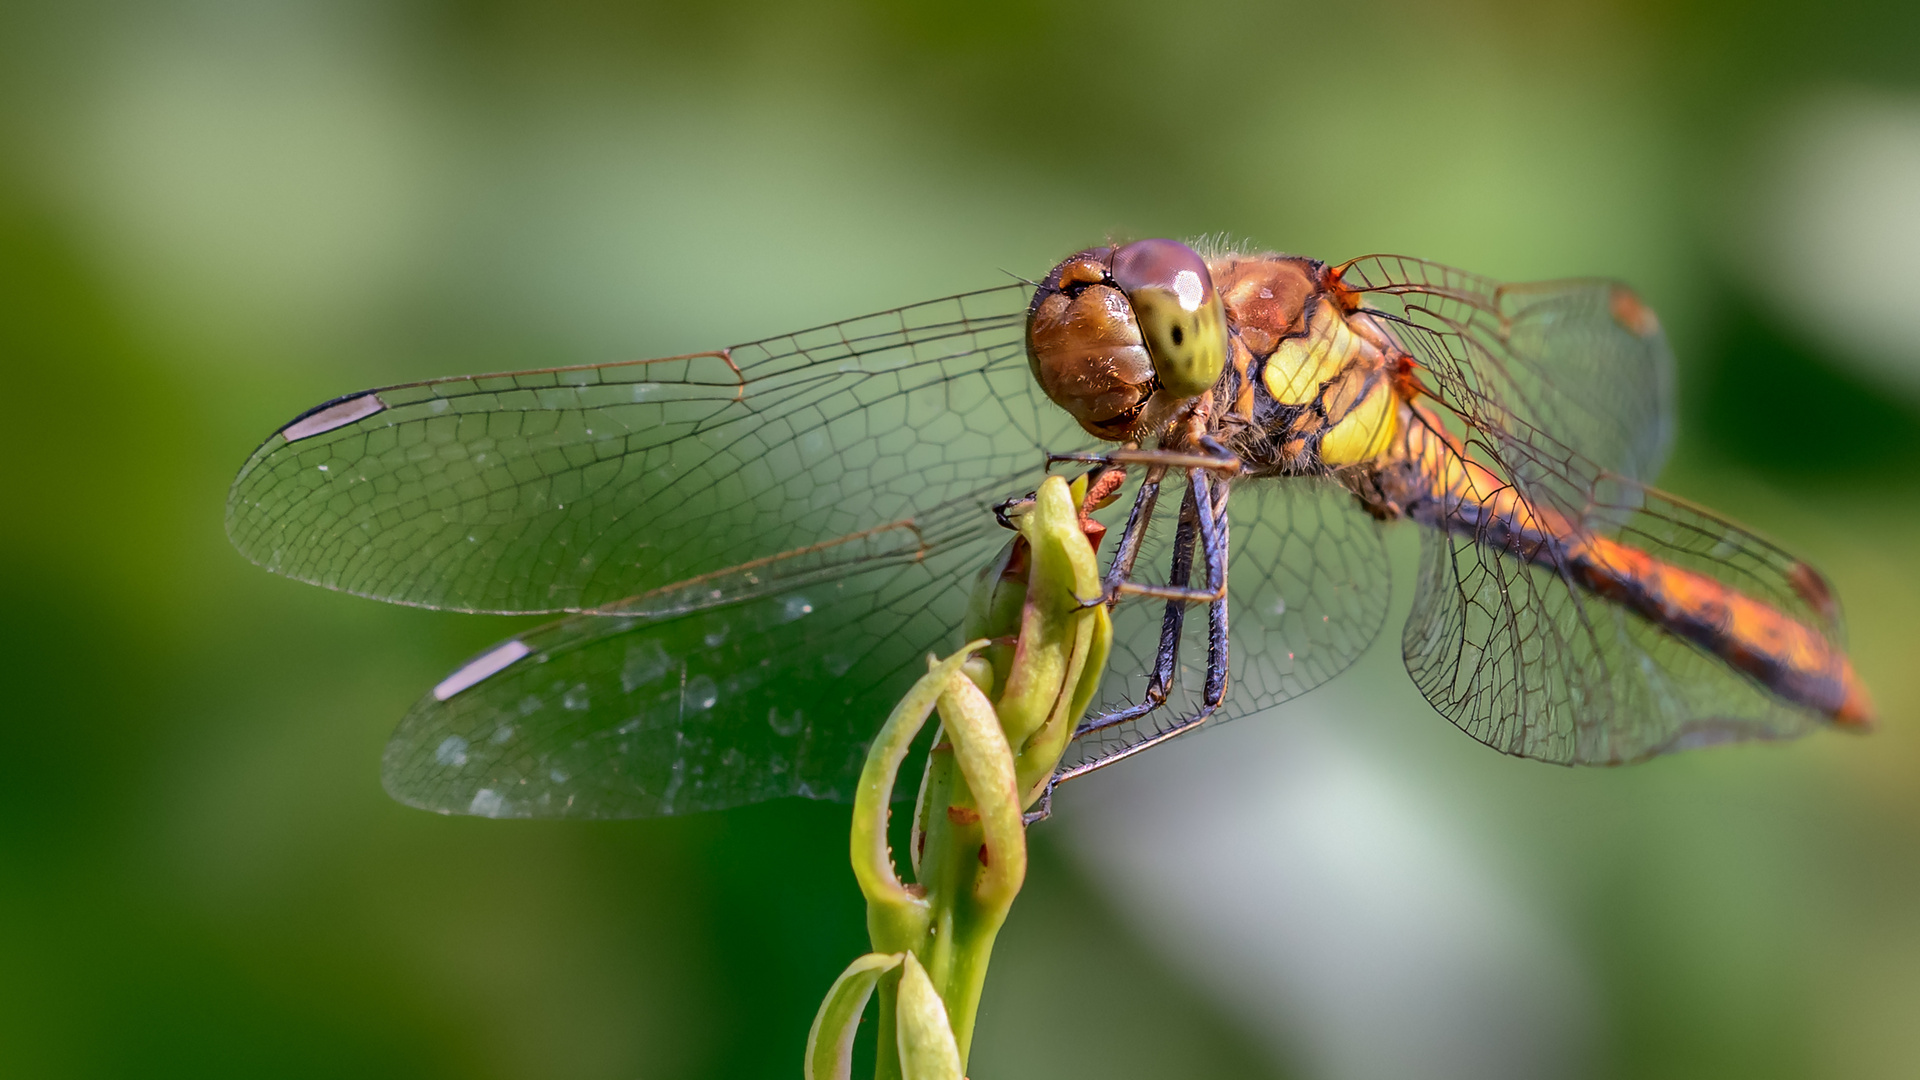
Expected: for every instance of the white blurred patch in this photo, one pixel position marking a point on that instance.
(1333, 908)
(1831, 229)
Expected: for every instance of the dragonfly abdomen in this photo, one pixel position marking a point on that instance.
(1436, 484)
(1785, 655)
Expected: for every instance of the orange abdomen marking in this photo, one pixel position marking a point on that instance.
(1438, 484)
(1784, 654)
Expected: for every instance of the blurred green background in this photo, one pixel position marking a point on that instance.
(214, 214)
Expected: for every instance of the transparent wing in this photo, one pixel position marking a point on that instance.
(659, 712)
(1309, 586)
(667, 709)
(791, 459)
(1526, 662)
(1584, 360)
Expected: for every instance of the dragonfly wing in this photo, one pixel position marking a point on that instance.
(1309, 586)
(572, 489)
(1523, 660)
(674, 712)
(1584, 361)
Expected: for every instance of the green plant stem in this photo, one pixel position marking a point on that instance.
(900, 918)
(1044, 650)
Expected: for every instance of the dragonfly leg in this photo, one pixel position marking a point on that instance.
(1217, 448)
(1216, 693)
(1202, 514)
(1217, 458)
(1210, 521)
(1128, 549)
(1178, 727)
(1103, 484)
(1167, 592)
(1167, 656)
(1211, 509)
(1042, 809)
(1217, 549)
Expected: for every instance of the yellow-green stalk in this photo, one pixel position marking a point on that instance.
(1008, 703)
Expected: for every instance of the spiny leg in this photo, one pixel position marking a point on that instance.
(1216, 458)
(1208, 512)
(1203, 511)
(1213, 457)
(1217, 550)
(1216, 692)
(1130, 537)
(1167, 655)
(1211, 507)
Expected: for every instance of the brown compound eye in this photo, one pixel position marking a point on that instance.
(1085, 347)
(1180, 316)
(1125, 340)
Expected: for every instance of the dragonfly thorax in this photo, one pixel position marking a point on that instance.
(1312, 382)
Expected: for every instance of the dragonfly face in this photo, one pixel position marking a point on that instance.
(753, 550)
(1126, 339)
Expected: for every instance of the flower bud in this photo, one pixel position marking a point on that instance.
(993, 610)
(1064, 636)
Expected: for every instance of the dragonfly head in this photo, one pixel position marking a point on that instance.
(1125, 339)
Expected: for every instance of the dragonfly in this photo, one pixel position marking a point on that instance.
(750, 552)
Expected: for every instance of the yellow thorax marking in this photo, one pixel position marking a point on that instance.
(1299, 366)
(1364, 433)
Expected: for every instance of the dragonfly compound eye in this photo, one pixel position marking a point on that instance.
(1180, 316)
(1124, 339)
